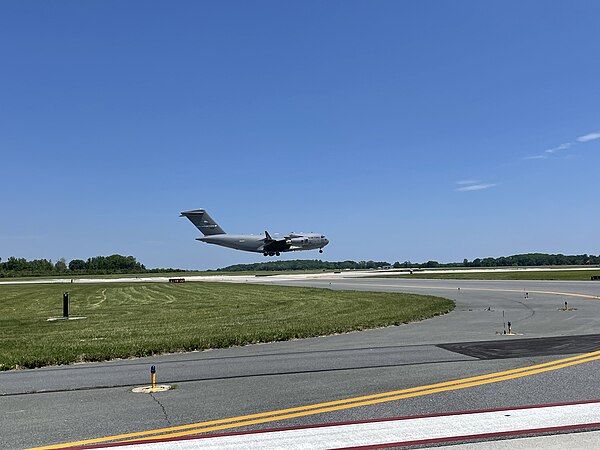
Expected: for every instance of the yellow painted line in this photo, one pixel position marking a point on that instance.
(365, 403)
(595, 297)
(455, 288)
(319, 408)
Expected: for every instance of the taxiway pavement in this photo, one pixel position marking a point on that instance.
(80, 402)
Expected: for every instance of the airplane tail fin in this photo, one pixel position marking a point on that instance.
(203, 222)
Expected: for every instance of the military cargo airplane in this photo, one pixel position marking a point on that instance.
(267, 245)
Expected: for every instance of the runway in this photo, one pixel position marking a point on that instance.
(87, 402)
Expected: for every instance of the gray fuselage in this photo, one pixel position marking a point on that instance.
(256, 242)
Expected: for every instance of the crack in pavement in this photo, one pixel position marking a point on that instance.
(162, 407)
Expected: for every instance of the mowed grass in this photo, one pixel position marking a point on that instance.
(140, 319)
(573, 275)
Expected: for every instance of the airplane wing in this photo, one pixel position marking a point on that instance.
(275, 245)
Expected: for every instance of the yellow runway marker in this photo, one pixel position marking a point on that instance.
(337, 405)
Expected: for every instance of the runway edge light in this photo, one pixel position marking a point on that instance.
(153, 386)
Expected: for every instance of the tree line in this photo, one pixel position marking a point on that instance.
(103, 265)
(533, 259)
(527, 259)
(305, 264)
(20, 267)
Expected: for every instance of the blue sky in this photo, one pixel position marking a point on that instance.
(423, 130)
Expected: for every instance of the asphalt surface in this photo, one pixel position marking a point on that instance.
(71, 403)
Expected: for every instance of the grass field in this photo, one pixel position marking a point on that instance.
(571, 275)
(140, 319)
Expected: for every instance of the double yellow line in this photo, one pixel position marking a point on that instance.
(320, 408)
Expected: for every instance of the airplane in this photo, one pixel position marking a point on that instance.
(267, 245)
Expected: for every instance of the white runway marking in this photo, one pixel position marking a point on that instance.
(398, 430)
(572, 441)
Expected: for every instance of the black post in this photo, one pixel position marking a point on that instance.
(66, 304)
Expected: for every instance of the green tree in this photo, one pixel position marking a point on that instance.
(61, 265)
(77, 265)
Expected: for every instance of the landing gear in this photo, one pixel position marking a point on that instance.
(277, 253)
(265, 254)
(271, 253)
(320, 250)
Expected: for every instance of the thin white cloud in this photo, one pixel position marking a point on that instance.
(589, 137)
(548, 152)
(564, 146)
(475, 187)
